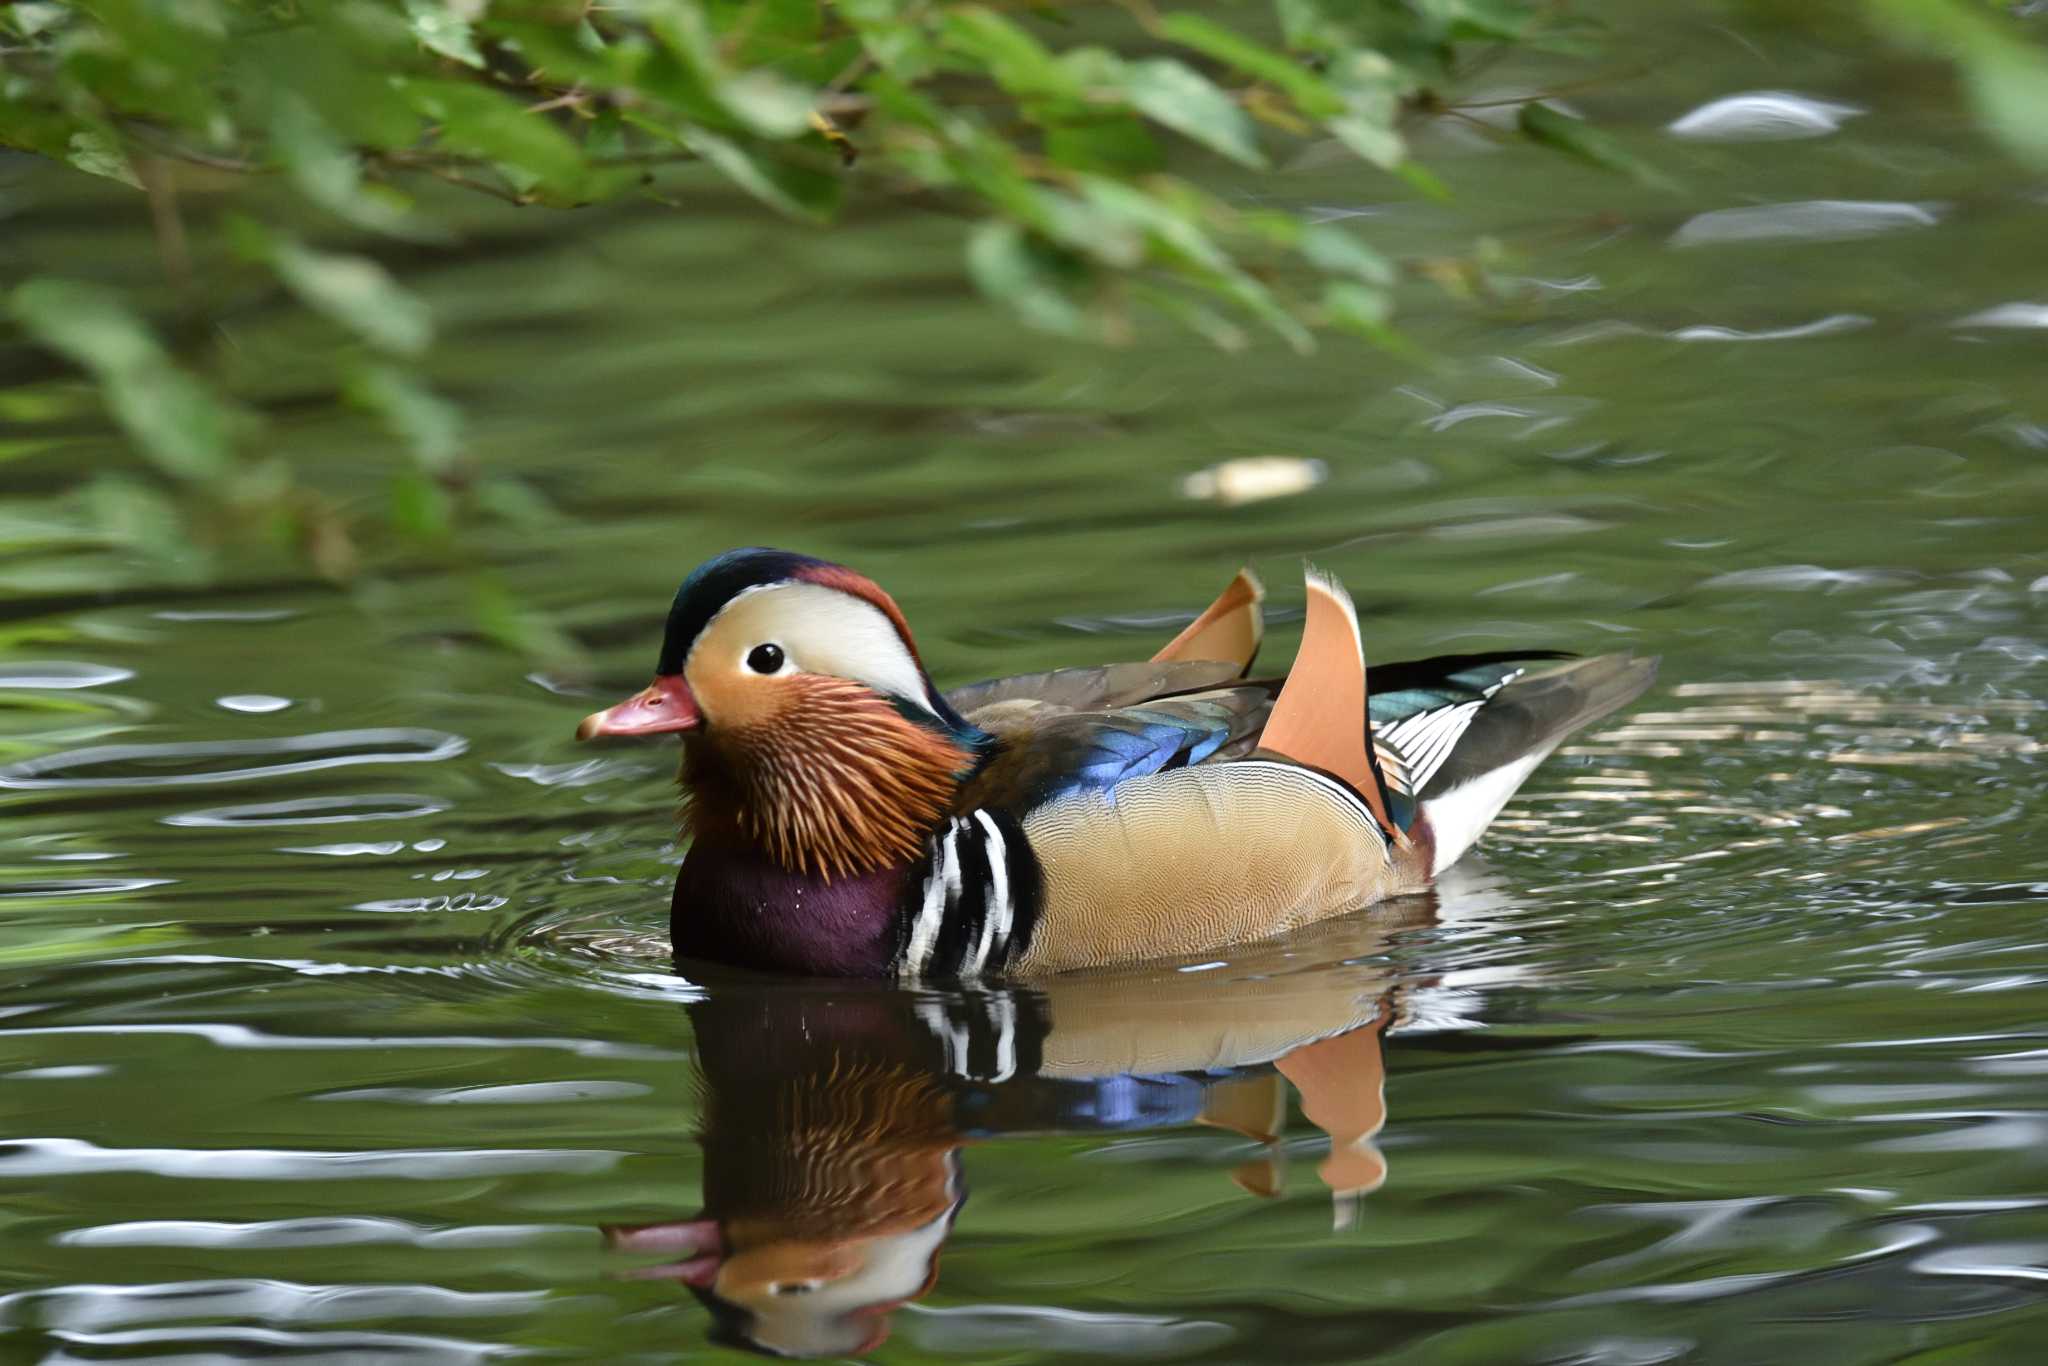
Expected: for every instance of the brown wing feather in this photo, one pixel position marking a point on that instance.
(1100, 688)
(1037, 744)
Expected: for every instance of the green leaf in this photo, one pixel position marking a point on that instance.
(761, 100)
(766, 103)
(1371, 90)
(1576, 138)
(1176, 95)
(779, 181)
(175, 419)
(29, 17)
(88, 323)
(893, 38)
(1178, 233)
(96, 153)
(420, 508)
(1501, 21)
(352, 290)
(477, 120)
(1364, 311)
(516, 502)
(1308, 90)
(430, 425)
(143, 521)
(328, 172)
(1371, 139)
(519, 628)
(570, 51)
(1204, 322)
(1018, 62)
(1115, 143)
(2008, 82)
(2006, 73)
(1357, 307)
(437, 25)
(1255, 299)
(1331, 248)
(1026, 278)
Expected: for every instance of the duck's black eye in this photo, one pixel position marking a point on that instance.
(765, 659)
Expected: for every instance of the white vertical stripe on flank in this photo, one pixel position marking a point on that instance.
(998, 904)
(949, 859)
(924, 931)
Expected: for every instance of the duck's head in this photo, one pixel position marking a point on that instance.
(811, 729)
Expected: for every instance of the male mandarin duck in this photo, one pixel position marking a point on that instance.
(848, 819)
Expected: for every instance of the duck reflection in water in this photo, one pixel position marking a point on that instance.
(835, 1113)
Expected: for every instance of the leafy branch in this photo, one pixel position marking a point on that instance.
(1072, 136)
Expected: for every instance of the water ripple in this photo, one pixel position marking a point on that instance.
(1820, 327)
(369, 806)
(2007, 315)
(76, 1157)
(81, 886)
(212, 1346)
(60, 674)
(334, 1231)
(241, 1036)
(1762, 116)
(100, 1308)
(379, 745)
(252, 703)
(1815, 220)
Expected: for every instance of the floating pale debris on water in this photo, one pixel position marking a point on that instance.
(1254, 478)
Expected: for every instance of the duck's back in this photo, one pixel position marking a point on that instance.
(1159, 826)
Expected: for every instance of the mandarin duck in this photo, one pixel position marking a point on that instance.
(848, 819)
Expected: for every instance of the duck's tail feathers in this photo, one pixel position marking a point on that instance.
(1319, 717)
(1514, 731)
(1230, 629)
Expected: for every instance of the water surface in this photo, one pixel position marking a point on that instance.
(335, 1020)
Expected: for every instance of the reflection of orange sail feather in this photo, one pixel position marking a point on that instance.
(1342, 1081)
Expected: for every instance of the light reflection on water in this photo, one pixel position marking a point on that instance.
(354, 1037)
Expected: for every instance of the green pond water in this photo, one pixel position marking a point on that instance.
(336, 1022)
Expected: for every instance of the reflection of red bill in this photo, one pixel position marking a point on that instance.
(700, 1236)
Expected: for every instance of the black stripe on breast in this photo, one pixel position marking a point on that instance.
(960, 931)
(1027, 894)
(972, 910)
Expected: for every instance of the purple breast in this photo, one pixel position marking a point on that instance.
(735, 906)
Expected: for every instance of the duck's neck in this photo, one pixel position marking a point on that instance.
(804, 836)
(735, 905)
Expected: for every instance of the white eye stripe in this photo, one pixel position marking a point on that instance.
(822, 631)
